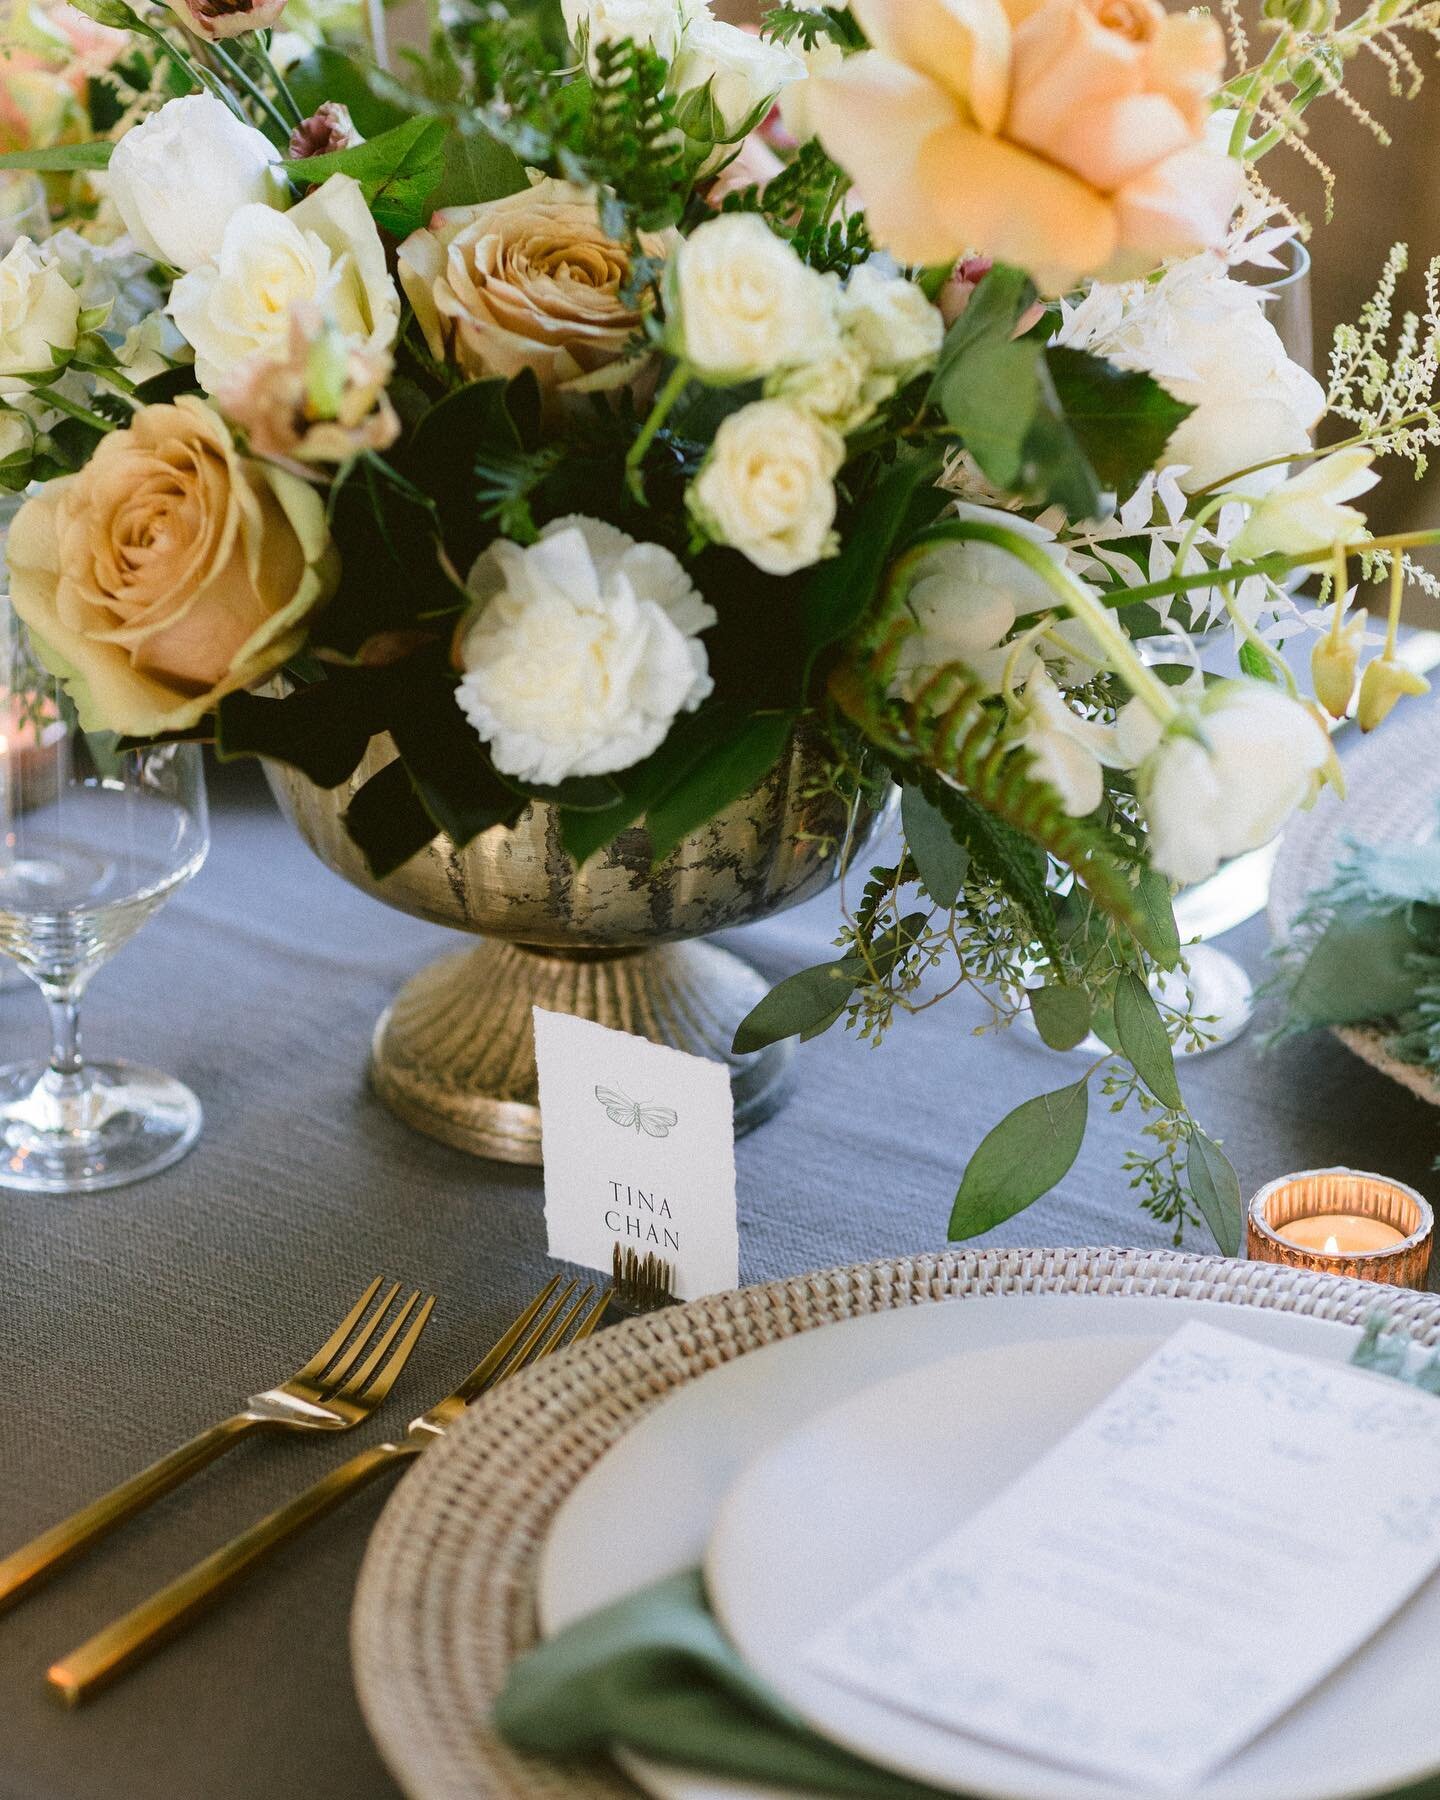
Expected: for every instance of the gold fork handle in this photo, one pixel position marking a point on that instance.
(24, 1568)
(159, 1618)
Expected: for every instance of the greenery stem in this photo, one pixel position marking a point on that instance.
(675, 385)
(234, 69)
(1276, 564)
(61, 403)
(261, 53)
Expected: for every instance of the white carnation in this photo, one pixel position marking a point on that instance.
(178, 178)
(891, 321)
(39, 311)
(767, 487)
(1207, 339)
(580, 651)
(325, 252)
(743, 72)
(742, 303)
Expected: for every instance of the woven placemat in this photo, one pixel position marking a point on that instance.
(1393, 796)
(446, 1594)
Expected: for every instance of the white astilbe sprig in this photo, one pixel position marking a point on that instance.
(1382, 377)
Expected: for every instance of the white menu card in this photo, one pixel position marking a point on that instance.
(639, 1146)
(1201, 1550)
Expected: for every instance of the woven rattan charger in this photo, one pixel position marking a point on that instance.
(446, 1594)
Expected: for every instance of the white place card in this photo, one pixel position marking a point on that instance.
(1209, 1543)
(639, 1144)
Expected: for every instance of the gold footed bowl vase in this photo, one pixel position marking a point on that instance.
(614, 941)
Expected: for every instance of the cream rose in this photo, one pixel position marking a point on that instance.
(177, 178)
(169, 572)
(741, 71)
(325, 252)
(528, 282)
(767, 488)
(891, 321)
(39, 311)
(580, 651)
(656, 23)
(1064, 136)
(742, 304)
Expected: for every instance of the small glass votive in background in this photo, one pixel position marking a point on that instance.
(1342, 1222)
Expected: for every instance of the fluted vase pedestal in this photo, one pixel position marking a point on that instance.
(617, 939)
(454, 1056)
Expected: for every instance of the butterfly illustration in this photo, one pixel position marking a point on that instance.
(654, 1121)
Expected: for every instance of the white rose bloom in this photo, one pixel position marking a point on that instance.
(580, 651)
(891, 321)
(795, 110)
(744, 73)
(39, 311)
(177, 178)
(1262, 757)
(767, 488)
(324, 252)
(1207, 339)
(742, 304)
(1306, 511)
(840, 389)
(657, 23)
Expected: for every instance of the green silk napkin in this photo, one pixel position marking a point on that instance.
(1367, 948)
(654, 1673)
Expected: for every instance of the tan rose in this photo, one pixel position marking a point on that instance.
(169, 571)
(528, 282)
(1063, 136)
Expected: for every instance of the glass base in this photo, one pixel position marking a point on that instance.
(115, 1124)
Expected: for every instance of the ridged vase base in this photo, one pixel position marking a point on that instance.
(454, 1056)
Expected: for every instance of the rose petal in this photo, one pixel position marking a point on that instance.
(964, 45)
(1181, 205)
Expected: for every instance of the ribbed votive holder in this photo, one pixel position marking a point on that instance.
(1316, 1193)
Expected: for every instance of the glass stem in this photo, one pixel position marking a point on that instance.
(67, 1067)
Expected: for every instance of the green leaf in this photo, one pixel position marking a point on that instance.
(1061, 1015)
(448, 764)
(987, 381)
(483, 419)
(725, 776)
(326, 74)
(1004, 854)
(941, 859)
(1155, 910)
(387, 820)
(476, 167)
(1215, 1188)
(59, 159)
(323, 730)
(1056, 470)
(1144, 1039)
(393, 580)
(1122, 419)
(1022, 1158)
(842, 587)
(1256, 664)
(398, 171)
(799, 1005)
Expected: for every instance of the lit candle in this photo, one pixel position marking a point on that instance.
(1341, 1234)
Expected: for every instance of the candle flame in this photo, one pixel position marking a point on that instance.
(1332, 1246)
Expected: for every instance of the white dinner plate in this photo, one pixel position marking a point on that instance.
(1028, 1367)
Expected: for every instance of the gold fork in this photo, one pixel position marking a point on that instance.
(550, 1321)
(329, 1394)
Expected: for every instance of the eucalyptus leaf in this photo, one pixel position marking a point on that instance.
(1144, 1039)
(1061, 1015)
(1155, 906)
(941, 859)
(800, 1005)
(1215, 1188)
(1005, 855)
(1022, 1158)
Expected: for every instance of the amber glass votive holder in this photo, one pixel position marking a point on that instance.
(1316, 1193)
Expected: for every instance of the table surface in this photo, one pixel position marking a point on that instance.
(130, 1320)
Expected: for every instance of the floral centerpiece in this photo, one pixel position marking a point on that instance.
(600, 398)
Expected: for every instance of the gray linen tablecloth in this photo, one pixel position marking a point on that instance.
(132, 1319)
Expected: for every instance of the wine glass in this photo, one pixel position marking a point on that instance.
(93, 839)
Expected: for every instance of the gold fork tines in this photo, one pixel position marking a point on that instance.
(642, 1284)
(561, 1314)
(329, 1393)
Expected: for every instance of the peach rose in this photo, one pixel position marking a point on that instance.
(169, 571)
(1063, 136)
(528, 282)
